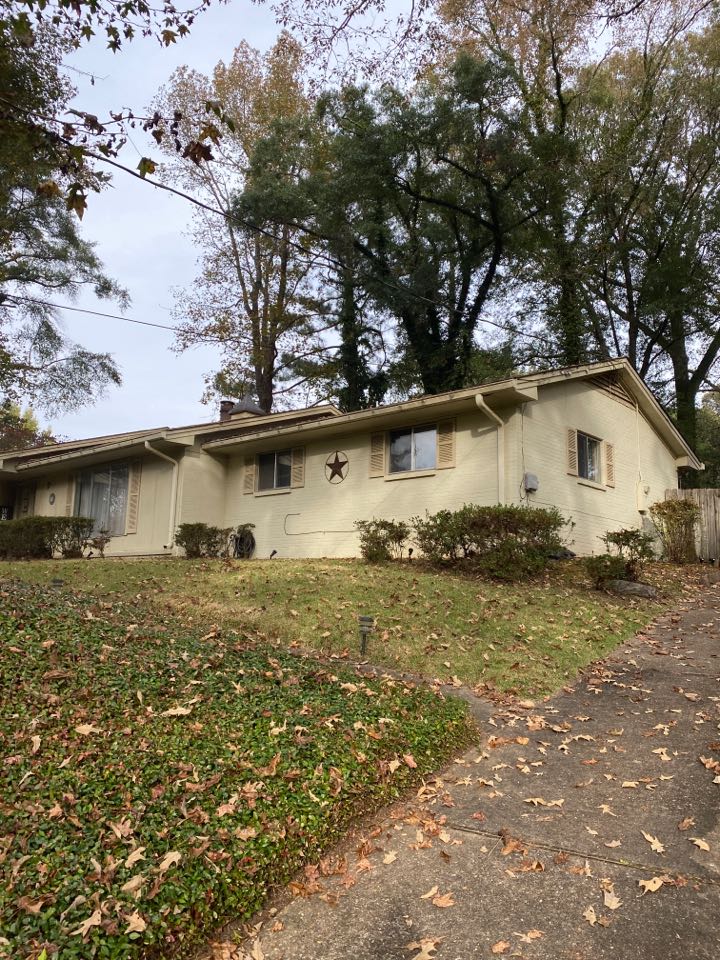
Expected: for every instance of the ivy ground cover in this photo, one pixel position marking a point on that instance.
(156, 781)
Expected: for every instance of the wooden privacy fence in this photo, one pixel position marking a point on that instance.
(707, 540)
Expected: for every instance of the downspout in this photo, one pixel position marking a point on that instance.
(173, 491)
(500, 434)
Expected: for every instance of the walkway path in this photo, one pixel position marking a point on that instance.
(581, 829)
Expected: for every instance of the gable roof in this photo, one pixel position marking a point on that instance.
(498, 393)
(223, 437)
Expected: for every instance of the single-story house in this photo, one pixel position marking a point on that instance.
(590, 440)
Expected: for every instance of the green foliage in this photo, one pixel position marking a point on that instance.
(382, 540)
(34, 538)
(505, 542)
(633, 547)
(44, 256)
(19, 429)
(199, 771)
(202, 540)
(676, 522)
(605, 567)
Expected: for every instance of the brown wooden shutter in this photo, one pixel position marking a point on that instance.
(133, 504)
(446, 444)
(377, 455)
(572, 452)
(609, 464)
(297, 474)
(249, 475)
(70, 495)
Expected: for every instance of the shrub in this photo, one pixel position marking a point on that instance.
(605, 567)
(506, 542)
(675, 521)
(202, 540)
(631, 546)
(38, 538)
(71, 535)
(382, 540)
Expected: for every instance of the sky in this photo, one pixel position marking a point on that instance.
(139, 232)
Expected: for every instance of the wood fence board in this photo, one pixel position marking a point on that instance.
(708, 535)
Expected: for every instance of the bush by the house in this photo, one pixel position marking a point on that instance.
(676, 521)
(202, 540)
(505, 542)
(605, 567)
(382, 540)
(38, 538)
(633, 547)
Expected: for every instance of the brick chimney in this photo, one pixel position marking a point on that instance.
(225, 408)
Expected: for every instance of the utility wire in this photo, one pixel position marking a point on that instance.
(114, 316)
(333, 261)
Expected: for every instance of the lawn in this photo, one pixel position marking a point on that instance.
(528, 638)
(158, 779)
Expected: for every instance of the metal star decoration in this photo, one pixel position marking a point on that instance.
(335, 467)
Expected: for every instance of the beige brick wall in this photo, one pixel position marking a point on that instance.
(641, 457)
(153, 511)
(317, 519)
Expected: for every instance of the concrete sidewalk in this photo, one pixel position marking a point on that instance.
(536, 844)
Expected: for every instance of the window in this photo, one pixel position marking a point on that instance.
(413, 449)
(102, 493)
(588, 457)
(275, 470)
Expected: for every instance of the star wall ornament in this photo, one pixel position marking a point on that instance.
(337, 467)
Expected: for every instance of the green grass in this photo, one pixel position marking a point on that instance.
(130, 828)
(528, 638)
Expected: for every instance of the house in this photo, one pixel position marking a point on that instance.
(590, 440)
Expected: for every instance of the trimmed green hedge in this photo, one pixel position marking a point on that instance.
(506, 542)
(39, 538)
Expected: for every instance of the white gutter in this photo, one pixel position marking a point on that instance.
(173, 491)
(500, 434)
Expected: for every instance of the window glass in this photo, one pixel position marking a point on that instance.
(400, 451)
(266, 471)
(425, 445)
(413, 449)
(274, 470)
(588, 457)
(283, 468)
(102, 495)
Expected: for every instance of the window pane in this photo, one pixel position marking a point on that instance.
(100, 499)
(266, 471)
(425, 446)
(117, 506)
(284, 468)
(400, 451)
(588, 457)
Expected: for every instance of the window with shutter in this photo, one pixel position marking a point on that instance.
(572, 452)
(609, 464)
(446, 444)
(249, 475)
(377, 455)
(297, 478)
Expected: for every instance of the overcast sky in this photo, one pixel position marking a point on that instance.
(139, 232)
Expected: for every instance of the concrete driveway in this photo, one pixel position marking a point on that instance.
(581, 828)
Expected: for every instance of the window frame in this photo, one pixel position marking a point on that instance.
(80, 478)
(581, 435)
(275, 454)
(413, 468)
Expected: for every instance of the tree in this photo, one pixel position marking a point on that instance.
(41, 252)
(256, 289)
(708, 441)
(418, 196)
(20, 430)
(622, 254)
